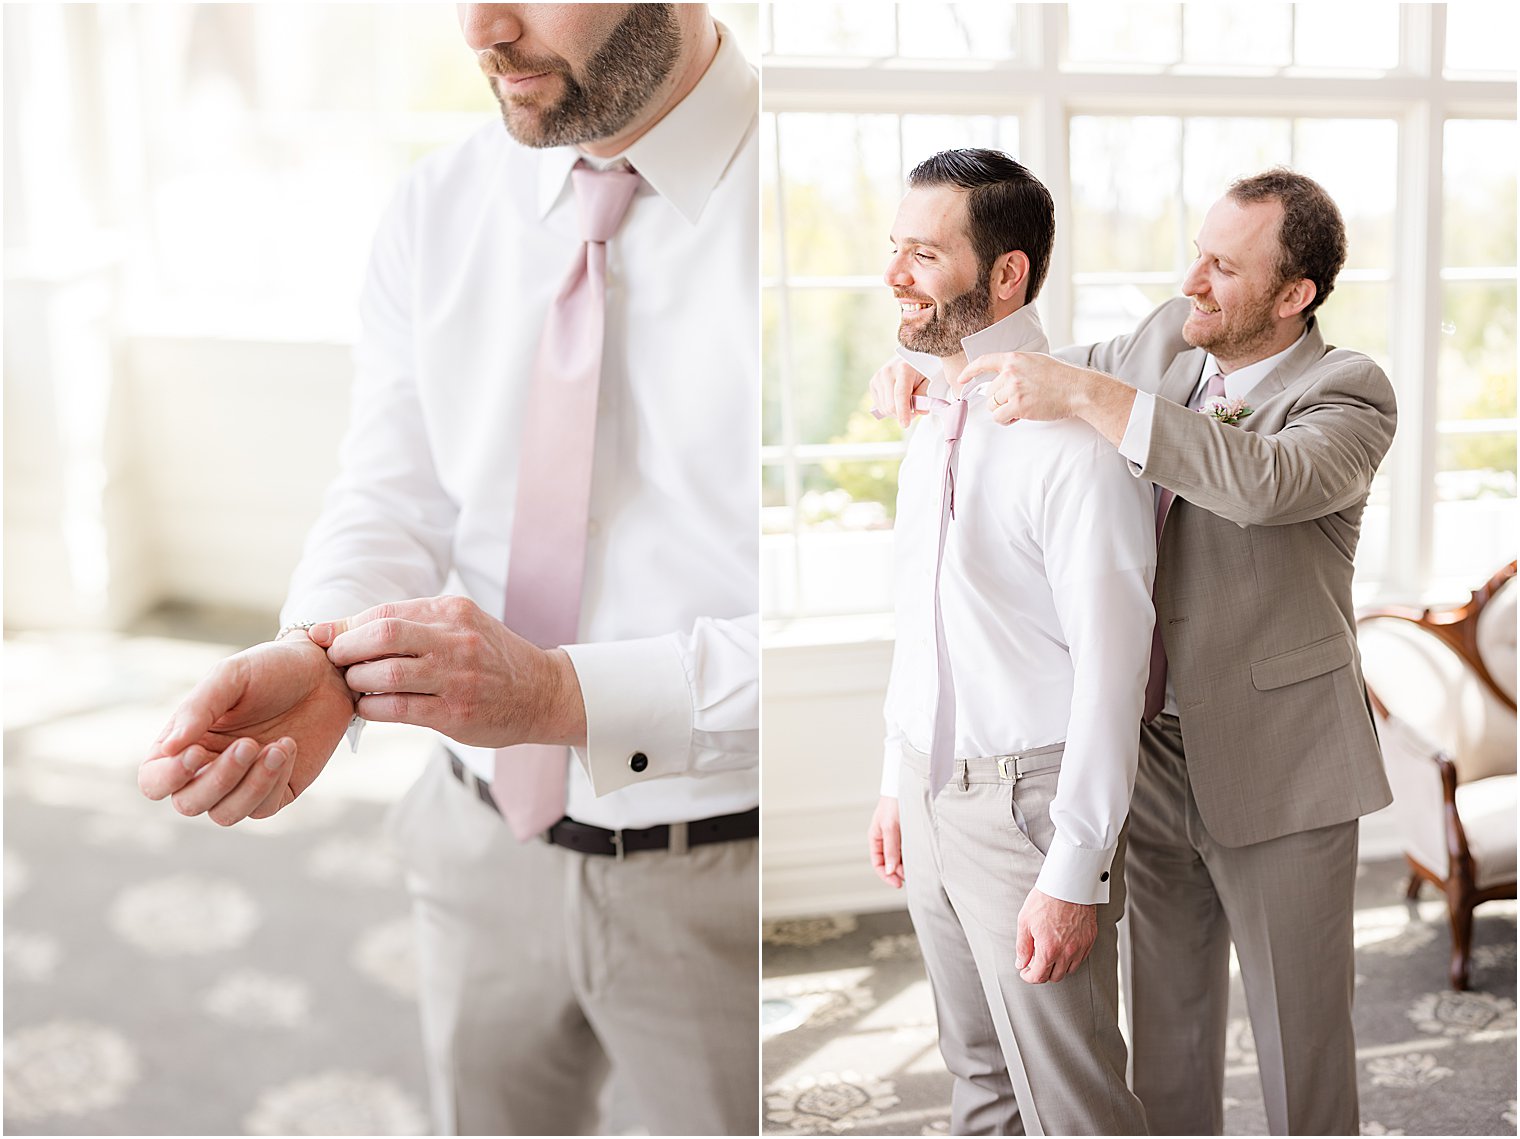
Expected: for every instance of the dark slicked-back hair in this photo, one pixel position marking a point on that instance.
(1312, 240)
(1008, 207)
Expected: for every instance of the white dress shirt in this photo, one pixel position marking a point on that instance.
(1046, 598)
(464, 267)
(1135, 445)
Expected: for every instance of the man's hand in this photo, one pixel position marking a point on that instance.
(893, 387)
(885, 837)
(1054, 937)
(1031, 385)
(443, 663)
(252, 735)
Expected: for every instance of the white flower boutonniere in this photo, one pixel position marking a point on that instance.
(1227, 411)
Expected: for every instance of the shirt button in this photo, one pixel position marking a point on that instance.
(638, 761)
(1103, 877)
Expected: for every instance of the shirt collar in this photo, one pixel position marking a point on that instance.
(1238, 384)
(718, 111)
(1019, 331)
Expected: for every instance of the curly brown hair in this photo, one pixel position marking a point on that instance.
(1311, 241)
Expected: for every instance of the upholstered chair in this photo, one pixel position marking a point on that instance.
(1442, 683)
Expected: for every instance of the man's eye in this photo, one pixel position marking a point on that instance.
(922, 256)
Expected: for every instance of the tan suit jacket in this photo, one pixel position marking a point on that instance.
(1253, 576)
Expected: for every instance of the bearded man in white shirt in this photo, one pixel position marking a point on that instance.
(628, 937)
(1023, 630)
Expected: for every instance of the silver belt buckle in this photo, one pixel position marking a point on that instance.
(617, 843)
(1008, 769)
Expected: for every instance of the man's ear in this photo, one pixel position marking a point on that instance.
(1297, 298)
(1010, 275)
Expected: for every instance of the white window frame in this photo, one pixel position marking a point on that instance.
(1044, 92)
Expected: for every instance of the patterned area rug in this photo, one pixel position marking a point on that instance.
(163, 975)
(851, 1046)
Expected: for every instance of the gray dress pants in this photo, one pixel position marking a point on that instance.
(540, 967)
(1027, 1059)
(1287, 904)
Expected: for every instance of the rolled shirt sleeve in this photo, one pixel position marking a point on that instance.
(677, 704)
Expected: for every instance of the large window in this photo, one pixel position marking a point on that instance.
(1137, 117)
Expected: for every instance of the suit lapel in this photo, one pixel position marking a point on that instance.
(1309, 351)
(1182, 376)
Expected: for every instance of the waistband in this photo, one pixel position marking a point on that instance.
(991, 768)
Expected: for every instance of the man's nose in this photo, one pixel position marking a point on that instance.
(486, 25)
(896, 274)
(1194, 280)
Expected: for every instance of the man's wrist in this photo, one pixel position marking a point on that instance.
(563, 717)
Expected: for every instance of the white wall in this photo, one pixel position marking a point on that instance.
(146, 468)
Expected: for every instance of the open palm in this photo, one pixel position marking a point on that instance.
(252, 735)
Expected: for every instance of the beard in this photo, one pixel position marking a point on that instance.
(950, 323)
(616, 83)
(1238, 335)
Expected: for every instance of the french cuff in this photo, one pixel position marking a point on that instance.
(355, 730)
(1136, 443)
(1075, 873)
(638, 711)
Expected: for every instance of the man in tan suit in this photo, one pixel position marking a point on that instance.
(1263, 755)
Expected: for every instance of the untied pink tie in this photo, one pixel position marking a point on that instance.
(1155, 685)
(952, 418)
(547, 561)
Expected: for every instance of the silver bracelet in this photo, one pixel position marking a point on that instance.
(304, 626)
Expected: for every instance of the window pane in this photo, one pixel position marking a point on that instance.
(1105, 311)
(1477, 365)
(1217, 151)
(1482, 37)
(1346, 35)
(1355, 160)
(924, 135)
(849, 494)
(843, 180)
(1124, 194)
(833, 29)
(1479, 176)
(1124, 33)
(771, 349)
(770, 231)
(839, 338)
(1472, 539)
(1356, 316)
(1237, 35)
(958, 31)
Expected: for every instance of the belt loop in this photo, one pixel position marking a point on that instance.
(617, 843)
(965, 774)
(677, 838)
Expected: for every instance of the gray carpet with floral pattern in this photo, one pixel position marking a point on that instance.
(851, 1046)
(165, 976)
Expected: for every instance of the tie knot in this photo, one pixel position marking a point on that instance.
(603, 197)
(1216, 386)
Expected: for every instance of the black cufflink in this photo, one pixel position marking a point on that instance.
(638, 761)
(1103, 877)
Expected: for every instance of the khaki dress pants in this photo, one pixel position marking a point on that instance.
(1027, 1059)
(1287, 905)
(540, 967)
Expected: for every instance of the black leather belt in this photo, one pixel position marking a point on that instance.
(587, 839)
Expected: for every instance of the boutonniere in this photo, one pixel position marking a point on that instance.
(1228, 411)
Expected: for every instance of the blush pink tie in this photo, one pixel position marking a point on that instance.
(547, 561)
(1155, 685)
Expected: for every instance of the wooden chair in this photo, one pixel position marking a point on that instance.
(1442, 682)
